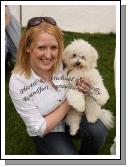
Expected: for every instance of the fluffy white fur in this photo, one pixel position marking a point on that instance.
(80, 59)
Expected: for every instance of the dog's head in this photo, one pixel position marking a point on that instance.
(80, 54)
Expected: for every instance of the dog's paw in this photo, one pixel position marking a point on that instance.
(91, 118)
(73, 131)
(79, 106)
(102, 99)
(76, 100)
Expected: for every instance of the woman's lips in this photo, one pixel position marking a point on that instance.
(46, 61)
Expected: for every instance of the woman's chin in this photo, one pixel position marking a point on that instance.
(47, 67)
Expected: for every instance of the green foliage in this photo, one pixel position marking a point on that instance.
(17, 140)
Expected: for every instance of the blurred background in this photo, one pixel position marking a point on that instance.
(77, 18)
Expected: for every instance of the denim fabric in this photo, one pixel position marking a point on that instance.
(60, 143)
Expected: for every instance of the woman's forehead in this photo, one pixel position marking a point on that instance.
(45, 38)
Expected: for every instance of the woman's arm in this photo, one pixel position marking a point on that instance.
(37, 125)
(56, 116)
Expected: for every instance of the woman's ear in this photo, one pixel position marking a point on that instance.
(28, 50)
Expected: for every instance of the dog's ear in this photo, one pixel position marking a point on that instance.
(94, 57)
(65, 55)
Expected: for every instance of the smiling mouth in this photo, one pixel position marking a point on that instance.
(46, 61)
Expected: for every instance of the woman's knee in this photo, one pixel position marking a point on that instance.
(96, 131)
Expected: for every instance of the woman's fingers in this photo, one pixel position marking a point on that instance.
(83, 89)
(83, 84)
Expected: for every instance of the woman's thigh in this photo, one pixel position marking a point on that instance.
(92, 130)
(93, 136)
(55, 143)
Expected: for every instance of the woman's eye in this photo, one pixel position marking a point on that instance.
(54, 47)
(41, 47)
(74, 55)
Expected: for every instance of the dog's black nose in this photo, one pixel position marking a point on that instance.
(77, 63)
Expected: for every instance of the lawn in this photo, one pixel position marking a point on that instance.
(18, 142)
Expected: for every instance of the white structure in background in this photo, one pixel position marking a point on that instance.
(80, 18)
(15, 10)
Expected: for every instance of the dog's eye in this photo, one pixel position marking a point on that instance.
(83, 57)
(74, 55)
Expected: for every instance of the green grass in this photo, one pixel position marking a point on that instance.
(17, 140)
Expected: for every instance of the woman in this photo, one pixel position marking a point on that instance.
(38, 100)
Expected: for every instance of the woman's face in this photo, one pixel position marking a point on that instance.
(43, 53)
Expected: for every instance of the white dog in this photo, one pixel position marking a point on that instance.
(80, 59)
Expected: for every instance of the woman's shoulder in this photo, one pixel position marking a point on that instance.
(17, 80)
(17, 77)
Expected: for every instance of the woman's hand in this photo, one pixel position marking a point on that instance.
(83, 85)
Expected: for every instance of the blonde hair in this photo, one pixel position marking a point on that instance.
(27, 39)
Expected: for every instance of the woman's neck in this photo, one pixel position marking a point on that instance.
(47, 75)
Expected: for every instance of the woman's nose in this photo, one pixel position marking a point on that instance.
(48, 53)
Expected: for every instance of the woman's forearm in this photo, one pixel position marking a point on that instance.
(54, 118)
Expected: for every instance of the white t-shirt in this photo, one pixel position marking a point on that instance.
(34, 98)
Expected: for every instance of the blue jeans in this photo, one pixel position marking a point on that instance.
(60, 143)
